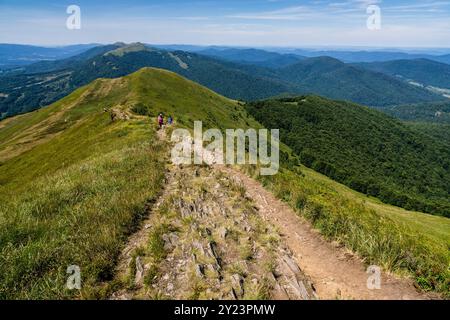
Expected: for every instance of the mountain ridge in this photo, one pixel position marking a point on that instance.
(22, 91)
(334, 79)
(423, 71)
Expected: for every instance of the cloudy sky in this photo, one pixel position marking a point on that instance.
(300, 23)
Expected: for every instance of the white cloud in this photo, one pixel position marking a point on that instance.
(314, 23)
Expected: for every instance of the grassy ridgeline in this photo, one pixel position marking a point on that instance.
(74, 183)
(72, 197)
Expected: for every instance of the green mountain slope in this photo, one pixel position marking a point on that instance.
(440, 131)
(438, 112)
(91, 177)
(423, 71)
(253, 56)
(363, 149)
(25, 92)
(428, 118)
(336, 80)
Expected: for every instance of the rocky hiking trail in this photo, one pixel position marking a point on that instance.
(215, 233)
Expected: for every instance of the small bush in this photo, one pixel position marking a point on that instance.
(140, 109)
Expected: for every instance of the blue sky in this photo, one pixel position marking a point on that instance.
(338, 23)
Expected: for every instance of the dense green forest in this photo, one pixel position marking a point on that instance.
(438, 112)
(423, 71)
(440, 131)
(364, 149)
(334, 79)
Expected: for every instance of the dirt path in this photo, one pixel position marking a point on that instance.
(335, 272)
(204, 240)
(307, 265)
(211, 243)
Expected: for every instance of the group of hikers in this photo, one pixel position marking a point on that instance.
(161, 120)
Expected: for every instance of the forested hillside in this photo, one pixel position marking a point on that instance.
(440, 131)
(364, 149)
(423, 71)
(438, 112)
(334, 79)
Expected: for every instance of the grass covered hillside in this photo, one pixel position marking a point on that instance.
(74, 183)
(364, 149)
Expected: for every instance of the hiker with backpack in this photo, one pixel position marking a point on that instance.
(170, 120)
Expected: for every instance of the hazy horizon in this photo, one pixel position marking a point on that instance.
(436, 50)
(264, 23)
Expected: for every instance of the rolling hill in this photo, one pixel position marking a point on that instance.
(364, 149)
(89, 174)
(43, 83)
(358, 56)
(95, 166)
(422, 71)
(334, 79)
(253, 56)
(28, 91)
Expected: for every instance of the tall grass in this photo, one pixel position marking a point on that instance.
(77, 216)
(377, 233)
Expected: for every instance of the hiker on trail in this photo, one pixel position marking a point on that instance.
(160, 120)
(170, 120)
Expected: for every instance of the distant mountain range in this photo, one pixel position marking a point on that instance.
(253, 56)
(332, 78)
(257, 75)
(370, 56)
(17, 55)
(348, 56)
(37, 85)
(422, 71)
